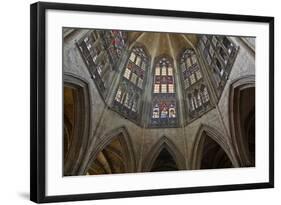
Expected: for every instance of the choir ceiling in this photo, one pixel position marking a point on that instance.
(157, 44)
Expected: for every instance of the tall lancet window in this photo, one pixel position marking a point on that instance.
(164, 101)
(219, 53)
(195, 93)
(190, 68)
(128, 97)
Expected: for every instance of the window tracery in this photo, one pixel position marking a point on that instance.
(190, 68)
(198, 101)
(164, 102)
(195, 93)
(130, 90)
(219, 53)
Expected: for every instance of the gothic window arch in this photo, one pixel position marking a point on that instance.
(131, 86)
(190, 68)
(195, 92)
(219, 53)
(164, 100)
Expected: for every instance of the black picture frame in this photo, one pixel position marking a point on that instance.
(38, 101)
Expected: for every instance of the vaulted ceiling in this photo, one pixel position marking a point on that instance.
(172, 44)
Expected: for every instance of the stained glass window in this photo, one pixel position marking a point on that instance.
(128, 96)
(191, 103)
(164, 109)
(135, 104)
(164, 71)
(138, 61)
(156, 88)
(132, 56)
(219, 53)
(163, 88)
(157, 71)
(136, 65)
(190, 68)
(204, 94)
(134, 78)
(186, 83)
(171, 88)
(198, 100)
(192, 78)
(127, 73)
(165, 78)
(198, 74)
(195, 92)
(155, 113)
(118, 95)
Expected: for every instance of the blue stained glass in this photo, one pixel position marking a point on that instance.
(164, 113)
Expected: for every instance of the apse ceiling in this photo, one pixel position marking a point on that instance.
(158, 44)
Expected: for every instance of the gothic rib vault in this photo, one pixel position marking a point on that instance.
(154, 102)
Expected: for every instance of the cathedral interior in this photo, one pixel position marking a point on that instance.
(150, 101)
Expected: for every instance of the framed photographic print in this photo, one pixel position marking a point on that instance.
(129, 102)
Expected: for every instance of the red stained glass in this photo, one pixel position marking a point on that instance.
(170, 79)
(157, 79)
(130, 66)
(113, 42)
(163, 106)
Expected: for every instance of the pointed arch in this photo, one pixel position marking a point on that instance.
(163, 143)
(126, 147)
(76, 126)
(198, 146)
(142, 46)
(128, 99)
(242, 118)
(166, 56)
(164, 103)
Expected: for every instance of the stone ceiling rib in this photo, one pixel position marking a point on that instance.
(158, 44)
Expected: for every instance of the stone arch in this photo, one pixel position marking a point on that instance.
(121, 134)
(198, 146)
(163, 143)
(78, 136)
(241, 116)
